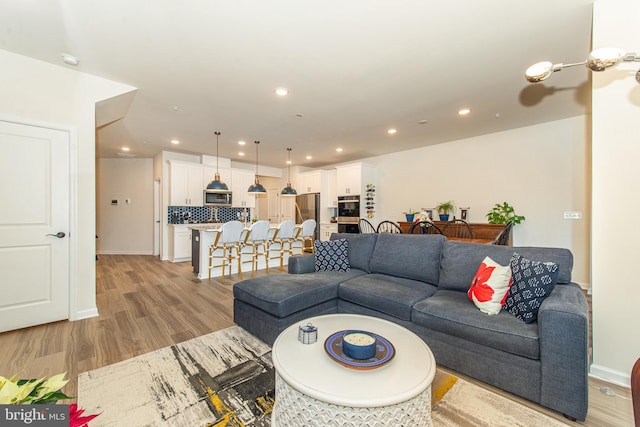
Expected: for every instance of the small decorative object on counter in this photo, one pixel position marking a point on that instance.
(370, 200)
(359, 344)
(308, 334)
(464, 213)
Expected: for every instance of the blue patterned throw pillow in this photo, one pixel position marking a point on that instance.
(332, 255)
(533, 281)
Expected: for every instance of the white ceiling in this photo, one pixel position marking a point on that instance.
(354, 68)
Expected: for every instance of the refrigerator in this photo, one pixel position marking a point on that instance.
(308, 207)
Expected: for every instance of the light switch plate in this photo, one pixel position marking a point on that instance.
(573, 215)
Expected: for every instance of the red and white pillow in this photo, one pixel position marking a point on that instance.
(490, 286)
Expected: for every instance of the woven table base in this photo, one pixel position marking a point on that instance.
(293, 408)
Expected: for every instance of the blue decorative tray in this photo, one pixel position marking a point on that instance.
(384, 352)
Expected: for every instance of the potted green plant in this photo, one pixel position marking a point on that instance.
(444, 209)
(410, 214)
(503, 214)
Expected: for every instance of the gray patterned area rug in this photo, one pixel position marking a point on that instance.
(226, 379)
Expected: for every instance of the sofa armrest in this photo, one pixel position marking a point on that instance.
(563, 327)
(300, 264)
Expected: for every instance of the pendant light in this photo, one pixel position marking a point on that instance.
(216, 184)
(256, 188)
(289, 191)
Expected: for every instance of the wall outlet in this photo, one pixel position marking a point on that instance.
(573, 215)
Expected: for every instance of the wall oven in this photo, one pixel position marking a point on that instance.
(348, 214)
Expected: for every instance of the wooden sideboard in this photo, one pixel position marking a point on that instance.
(481, 230)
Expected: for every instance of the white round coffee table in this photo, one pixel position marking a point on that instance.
(313, 389)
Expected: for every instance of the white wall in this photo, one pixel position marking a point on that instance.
(616, 177)
(541, 170)
(125, 228)
(37, 91)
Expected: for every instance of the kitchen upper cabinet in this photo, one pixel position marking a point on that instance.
(310, 182)
(332, 190)
(241, 179)
(185, 184)
(353, 178)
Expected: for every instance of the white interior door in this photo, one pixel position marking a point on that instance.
(273, 209)
(34, 225)
(156, 218)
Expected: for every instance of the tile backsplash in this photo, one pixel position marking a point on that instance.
(206, 213)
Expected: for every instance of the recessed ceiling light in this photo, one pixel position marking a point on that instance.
(175, 142)
(126, 149)
(241, 143)
(464, 111)
(281, 91)
(423, 122)
(391, 131)
(299, 115)
(308, 157)
(339, 150)
(70, 59)
(241, 154)
(288, 162)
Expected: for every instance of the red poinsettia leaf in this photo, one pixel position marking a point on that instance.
(76, 419)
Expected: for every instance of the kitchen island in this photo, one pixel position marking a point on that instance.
(202, 236)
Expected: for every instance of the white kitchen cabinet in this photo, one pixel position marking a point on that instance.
(332, 190)
(241, 180)
(185, 184)
(179, 243)
(326, 230)
(310, 182)
(352, 179)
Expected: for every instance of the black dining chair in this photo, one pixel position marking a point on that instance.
(505, 235)
(458, 228)
(365, 227)
(388, 227)
(424, 227)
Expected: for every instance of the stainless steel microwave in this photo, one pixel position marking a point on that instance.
(217, 198)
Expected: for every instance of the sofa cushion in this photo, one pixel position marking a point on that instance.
(451, 312)
(332, 256)
(461, 259)
(411, 256)
(360, 248)
(283, 294)
(532, 282)
(489, 286)
(388, 294)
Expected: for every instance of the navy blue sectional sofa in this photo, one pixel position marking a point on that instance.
(421, 283)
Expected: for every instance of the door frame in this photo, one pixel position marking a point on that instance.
(73, 203)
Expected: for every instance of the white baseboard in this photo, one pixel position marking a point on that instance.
(86, 314)
(124, 252)
(610, 375)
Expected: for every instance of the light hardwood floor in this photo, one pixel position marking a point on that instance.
(146, 304)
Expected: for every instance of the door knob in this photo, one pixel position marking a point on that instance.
(59, 235)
